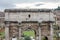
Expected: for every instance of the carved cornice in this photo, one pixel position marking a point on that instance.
(27, 10)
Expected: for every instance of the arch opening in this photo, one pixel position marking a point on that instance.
(28, 34)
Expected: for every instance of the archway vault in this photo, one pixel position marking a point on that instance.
(30, 26)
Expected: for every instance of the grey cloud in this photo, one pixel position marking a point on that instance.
(6, 4)
(10, 3)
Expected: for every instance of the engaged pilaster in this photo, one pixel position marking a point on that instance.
(19, 31)
(7, 31)
(51, 31)
(39, 29)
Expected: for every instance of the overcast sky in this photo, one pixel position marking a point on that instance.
(12, 3)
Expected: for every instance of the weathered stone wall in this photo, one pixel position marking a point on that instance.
(29, 16)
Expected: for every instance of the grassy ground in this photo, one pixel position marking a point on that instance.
(29, 33)
(2, 34)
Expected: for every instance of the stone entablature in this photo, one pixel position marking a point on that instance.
(28, 16)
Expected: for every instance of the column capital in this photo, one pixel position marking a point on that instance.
(7, 23)
(19, 24)
(39, 24)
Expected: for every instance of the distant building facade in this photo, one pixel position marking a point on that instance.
(57, 13)
(2, 19)
(57, 20)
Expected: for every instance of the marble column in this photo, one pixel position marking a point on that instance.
(19, 33)
(39, 33)
(51, 31)
(6, 33)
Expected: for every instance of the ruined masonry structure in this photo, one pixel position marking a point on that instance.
(19, 20)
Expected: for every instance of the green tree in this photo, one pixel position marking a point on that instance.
(27, 38)
(58, 8)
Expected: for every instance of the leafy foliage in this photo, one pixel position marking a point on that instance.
(2, 34)
(58, 8)
(27, 38)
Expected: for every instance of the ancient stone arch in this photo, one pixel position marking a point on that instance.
(17, 20)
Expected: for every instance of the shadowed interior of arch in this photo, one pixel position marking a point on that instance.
(45, 38)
